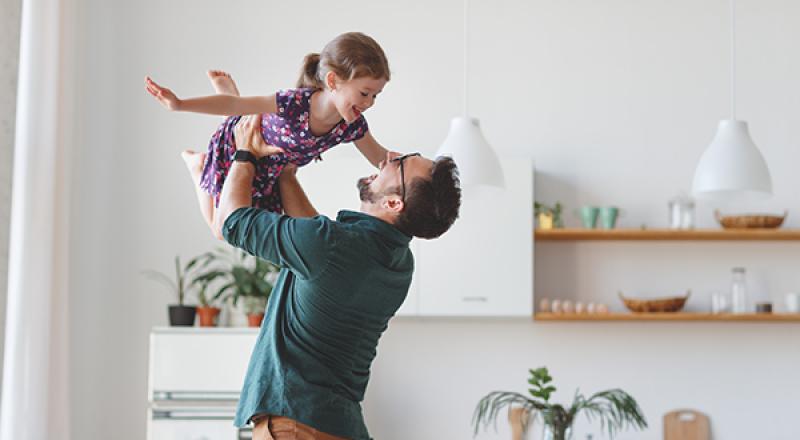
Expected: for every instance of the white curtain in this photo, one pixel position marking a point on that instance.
(35, 375)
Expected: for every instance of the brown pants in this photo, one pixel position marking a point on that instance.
(282, 428)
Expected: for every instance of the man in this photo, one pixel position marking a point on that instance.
(341, 283)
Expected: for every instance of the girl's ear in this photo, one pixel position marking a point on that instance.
(331, 80)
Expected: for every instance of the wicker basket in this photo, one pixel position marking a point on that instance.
(763, 221)
(656, 305)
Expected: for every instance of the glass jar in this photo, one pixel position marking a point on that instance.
(681, 212)
(739, 291)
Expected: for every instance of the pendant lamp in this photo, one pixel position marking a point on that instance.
(465, 143)
(732, 166)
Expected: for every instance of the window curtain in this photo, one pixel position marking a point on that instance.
(34, 403)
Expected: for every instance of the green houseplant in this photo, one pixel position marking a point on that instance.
(549, 216)
(243, 277)
(179, 314)
(615, 408)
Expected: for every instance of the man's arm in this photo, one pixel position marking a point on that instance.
(293, 198)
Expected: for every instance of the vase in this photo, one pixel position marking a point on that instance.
(557, 433)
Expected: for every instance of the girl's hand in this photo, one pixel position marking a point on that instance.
(247, 135)
(162, 94)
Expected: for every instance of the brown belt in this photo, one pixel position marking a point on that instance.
(268, 427)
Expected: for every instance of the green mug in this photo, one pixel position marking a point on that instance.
(608, 217)
(589, 216)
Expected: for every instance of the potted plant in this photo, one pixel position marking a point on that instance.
(549, 217)
(244, 278)
(615, 408)
(206, 310)
(179, 314)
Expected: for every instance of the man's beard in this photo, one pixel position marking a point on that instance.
(365, 193)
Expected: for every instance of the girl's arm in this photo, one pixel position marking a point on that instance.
(225, 105)
(371, 149)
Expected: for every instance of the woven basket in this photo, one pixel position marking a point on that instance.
(762, 221)
(656, 305)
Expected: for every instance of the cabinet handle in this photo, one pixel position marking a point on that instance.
(474, 299)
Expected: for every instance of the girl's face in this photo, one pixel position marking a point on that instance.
(354, 97)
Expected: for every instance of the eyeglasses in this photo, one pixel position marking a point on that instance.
(402, 159)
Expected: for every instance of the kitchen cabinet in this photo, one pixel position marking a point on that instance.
(482, 267)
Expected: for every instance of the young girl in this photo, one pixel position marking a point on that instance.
(335, 88)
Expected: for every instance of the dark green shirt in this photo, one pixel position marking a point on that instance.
(341, 283)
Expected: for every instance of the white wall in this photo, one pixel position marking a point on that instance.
(614, 99)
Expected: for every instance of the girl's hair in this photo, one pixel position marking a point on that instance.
(350, 55)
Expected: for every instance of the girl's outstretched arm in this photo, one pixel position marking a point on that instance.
(224, 105)
(371, 149)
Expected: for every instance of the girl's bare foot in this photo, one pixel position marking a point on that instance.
(194, 162)
(223, 83)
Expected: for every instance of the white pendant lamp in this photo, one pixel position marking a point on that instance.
(465, 143)
(732, 166)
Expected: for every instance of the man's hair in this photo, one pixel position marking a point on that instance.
(432, 204)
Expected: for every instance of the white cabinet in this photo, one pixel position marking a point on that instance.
(483, 266)
(195, 377)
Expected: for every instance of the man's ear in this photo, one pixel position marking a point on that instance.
(393, 204)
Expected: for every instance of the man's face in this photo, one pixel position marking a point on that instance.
(388, 183)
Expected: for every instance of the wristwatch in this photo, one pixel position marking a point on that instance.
(245, 156)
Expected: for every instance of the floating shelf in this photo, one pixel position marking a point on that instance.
(579, 234)
(704, 317)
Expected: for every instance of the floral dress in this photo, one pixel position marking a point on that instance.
(288, 129)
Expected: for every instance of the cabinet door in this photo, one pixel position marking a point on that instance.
(483, 266)
(331, 186)
(199, 363)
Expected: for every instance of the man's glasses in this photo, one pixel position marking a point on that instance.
(402, 159)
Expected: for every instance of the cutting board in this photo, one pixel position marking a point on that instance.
(686, 424)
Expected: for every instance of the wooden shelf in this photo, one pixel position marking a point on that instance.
(683, 316)
(579, 234)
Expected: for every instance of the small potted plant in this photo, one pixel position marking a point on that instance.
(179, 314)
(615, 408)
(246, 278)
(206, 310)
(549, 217)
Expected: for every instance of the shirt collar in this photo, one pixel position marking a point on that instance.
(385, 230)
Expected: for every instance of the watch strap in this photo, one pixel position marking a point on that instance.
(245, 156)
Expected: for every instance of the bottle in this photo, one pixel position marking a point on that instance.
(738, 291)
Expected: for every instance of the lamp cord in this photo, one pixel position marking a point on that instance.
(733, 60)
(466, 55)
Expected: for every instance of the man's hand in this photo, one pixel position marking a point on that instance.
(162, 94)
(247, 135)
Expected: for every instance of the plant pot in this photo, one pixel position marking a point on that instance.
(545, 221)
(554, 433)
(208, 316)
(181, 316)
(254, 319)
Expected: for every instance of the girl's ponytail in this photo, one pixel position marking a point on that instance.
(309, 73)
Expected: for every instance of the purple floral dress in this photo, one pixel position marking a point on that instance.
(288, 129)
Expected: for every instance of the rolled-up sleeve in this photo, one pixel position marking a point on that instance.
(300, 244)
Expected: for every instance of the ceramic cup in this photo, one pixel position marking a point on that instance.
(793, 302)
(589, 216)
(608, 216)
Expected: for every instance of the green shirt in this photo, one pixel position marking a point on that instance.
(341, 283)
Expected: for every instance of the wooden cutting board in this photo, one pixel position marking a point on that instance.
(686, 424)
